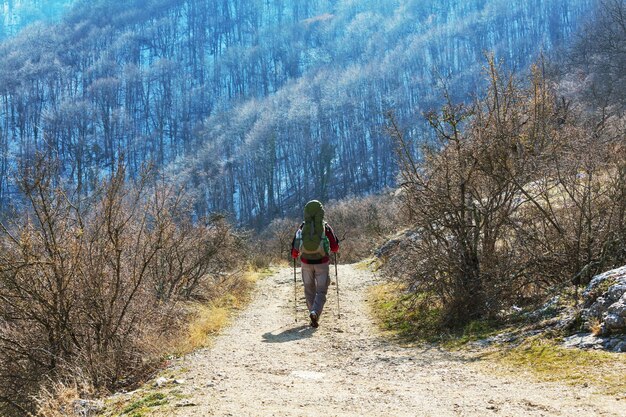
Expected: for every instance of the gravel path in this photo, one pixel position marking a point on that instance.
(265, 364)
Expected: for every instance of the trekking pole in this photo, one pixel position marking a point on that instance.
(337, 281)
(295, 292)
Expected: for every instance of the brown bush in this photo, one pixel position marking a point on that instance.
(518, 194)
(363, 223)
(86, 284)
(274, 244)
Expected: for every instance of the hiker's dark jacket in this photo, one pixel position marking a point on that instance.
(332, 239)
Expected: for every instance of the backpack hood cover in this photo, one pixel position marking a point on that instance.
(313, 229)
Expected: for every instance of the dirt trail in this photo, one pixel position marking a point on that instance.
(267, 365)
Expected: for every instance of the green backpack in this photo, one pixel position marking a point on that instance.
(314, 244)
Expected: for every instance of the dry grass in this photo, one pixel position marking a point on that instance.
(209, 319)
(57, 401)
(281, 263)
(595, 326)
(369, 264)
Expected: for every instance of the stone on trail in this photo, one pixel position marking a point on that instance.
(309, 375)
(160, 382)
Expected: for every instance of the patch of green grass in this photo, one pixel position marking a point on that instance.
(550, 362)
(473, 331)
(178, 394)
(416, 317)
(143, 405)
(403, 315)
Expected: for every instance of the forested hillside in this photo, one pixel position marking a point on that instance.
(255, 106)
(139, 138)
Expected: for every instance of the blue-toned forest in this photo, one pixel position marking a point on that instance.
(154, 152)
(255, 106)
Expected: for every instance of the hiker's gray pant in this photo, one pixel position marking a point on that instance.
(316, 281)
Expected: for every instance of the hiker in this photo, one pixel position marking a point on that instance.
(313, 242)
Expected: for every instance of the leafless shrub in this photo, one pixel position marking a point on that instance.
(86, 285)
(516, 196)
(363, 223)
(275, 241)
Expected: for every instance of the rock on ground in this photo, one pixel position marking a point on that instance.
(605, 301)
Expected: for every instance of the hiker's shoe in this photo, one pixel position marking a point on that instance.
(313, 316)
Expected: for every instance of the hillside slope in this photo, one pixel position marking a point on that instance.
(255, 106)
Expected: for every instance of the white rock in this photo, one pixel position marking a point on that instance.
(160, 382)
(609, 308)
